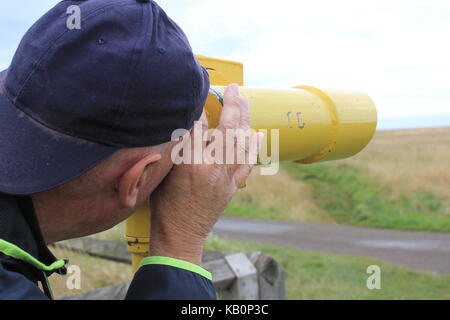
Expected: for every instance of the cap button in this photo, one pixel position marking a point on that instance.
(143, 1)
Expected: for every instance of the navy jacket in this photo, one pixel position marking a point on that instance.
(25, 261)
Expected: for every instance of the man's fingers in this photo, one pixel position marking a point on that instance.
(205, 126)
(243, 171)
(204, 121)
(241, 175)
(199, 137)
(245, 114)
(235, 113)
(231, 112)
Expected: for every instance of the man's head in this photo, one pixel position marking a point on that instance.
(104, 195)
(92, 109)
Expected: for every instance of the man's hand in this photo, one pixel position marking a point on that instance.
(190, 200)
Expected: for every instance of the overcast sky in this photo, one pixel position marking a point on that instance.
(398, 51)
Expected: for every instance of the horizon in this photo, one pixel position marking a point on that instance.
(415, 122)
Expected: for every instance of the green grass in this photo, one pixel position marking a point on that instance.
(350, 197)
(250, 209)
(400, 181)
(315, 276)
(309, 275)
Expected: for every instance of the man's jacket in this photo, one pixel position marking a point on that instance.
(26, 261)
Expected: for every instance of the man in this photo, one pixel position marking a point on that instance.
(86, 118)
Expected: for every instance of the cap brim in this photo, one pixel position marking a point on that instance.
(34, 158)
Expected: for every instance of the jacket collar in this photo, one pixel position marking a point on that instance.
(19, 226)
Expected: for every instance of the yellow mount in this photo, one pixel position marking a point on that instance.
(314, 125)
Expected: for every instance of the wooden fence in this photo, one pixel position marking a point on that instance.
(238, 276)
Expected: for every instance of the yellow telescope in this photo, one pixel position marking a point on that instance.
(313, 125)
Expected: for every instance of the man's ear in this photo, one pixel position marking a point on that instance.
(130, 182)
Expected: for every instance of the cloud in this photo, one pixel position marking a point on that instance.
(397, 51)
(15, 19)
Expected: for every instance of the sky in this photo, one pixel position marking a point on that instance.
(397, 51)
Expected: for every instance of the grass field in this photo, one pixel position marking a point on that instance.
(309, 275)
(401, 180)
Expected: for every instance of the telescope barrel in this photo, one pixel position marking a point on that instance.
(314, 125)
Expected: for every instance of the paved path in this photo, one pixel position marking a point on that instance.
(426, 251)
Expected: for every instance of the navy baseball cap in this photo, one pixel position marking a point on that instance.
(74, 96)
